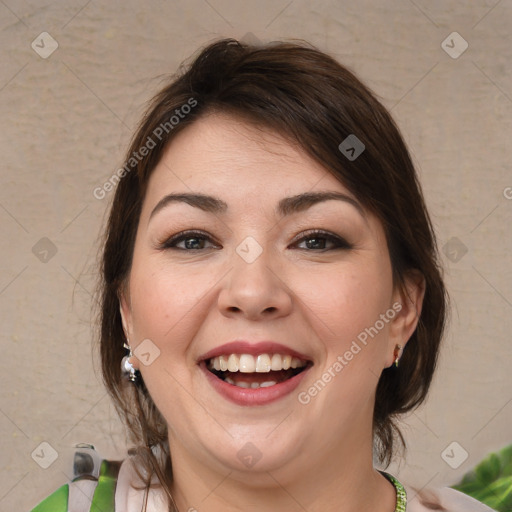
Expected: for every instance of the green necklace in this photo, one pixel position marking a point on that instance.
(401, 495)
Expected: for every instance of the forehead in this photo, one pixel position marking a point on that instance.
(225, 155)
(255, 172)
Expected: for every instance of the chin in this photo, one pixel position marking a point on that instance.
(252, 452)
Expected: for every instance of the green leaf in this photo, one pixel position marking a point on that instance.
(490, 482)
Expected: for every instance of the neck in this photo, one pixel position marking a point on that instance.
(337, 478)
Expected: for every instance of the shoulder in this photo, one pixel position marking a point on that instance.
(107, 485)
(131, 491)
(447, 498)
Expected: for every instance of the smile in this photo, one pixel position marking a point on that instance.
(248, 371)
(250, 374)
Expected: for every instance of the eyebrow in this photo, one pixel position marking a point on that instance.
(286, 206)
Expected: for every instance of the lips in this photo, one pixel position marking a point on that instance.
(254, 373)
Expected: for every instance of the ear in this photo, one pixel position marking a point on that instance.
(408, 301)
(126, 314)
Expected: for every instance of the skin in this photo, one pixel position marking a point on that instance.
(311, 297)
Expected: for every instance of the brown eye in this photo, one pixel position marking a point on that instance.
(193, 241)
(317, 240)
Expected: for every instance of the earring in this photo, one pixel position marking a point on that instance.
(397, 354)
(127, 368)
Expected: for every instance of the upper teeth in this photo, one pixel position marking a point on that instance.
(246, 363)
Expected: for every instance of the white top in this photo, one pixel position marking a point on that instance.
(451, 499)
(131, 500)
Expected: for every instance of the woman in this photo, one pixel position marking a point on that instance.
(271, 268)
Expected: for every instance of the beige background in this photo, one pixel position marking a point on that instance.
(66, 122)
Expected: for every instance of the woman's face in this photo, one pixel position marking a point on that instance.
(251, 273)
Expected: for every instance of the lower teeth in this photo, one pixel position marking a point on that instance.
(252, 385)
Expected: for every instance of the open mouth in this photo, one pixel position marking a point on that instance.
(254, 372)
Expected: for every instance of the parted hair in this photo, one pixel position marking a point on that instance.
(301, 93)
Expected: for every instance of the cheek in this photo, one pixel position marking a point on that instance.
(347, 308)
(165, 308)
(165, 303)
(344, 302)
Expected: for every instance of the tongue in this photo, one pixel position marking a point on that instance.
(278, 376)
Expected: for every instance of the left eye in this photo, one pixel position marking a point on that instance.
(317, 240)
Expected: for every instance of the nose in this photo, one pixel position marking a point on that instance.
(255, 290)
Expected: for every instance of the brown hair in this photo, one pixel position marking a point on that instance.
(306, 96)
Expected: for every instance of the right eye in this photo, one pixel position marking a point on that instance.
(193, 241)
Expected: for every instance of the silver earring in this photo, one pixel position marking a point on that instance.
(126, 367)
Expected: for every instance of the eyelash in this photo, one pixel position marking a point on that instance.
(305, 235)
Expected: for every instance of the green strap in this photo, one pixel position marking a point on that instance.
(105, 492)
(103, 499)
(56, 502)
